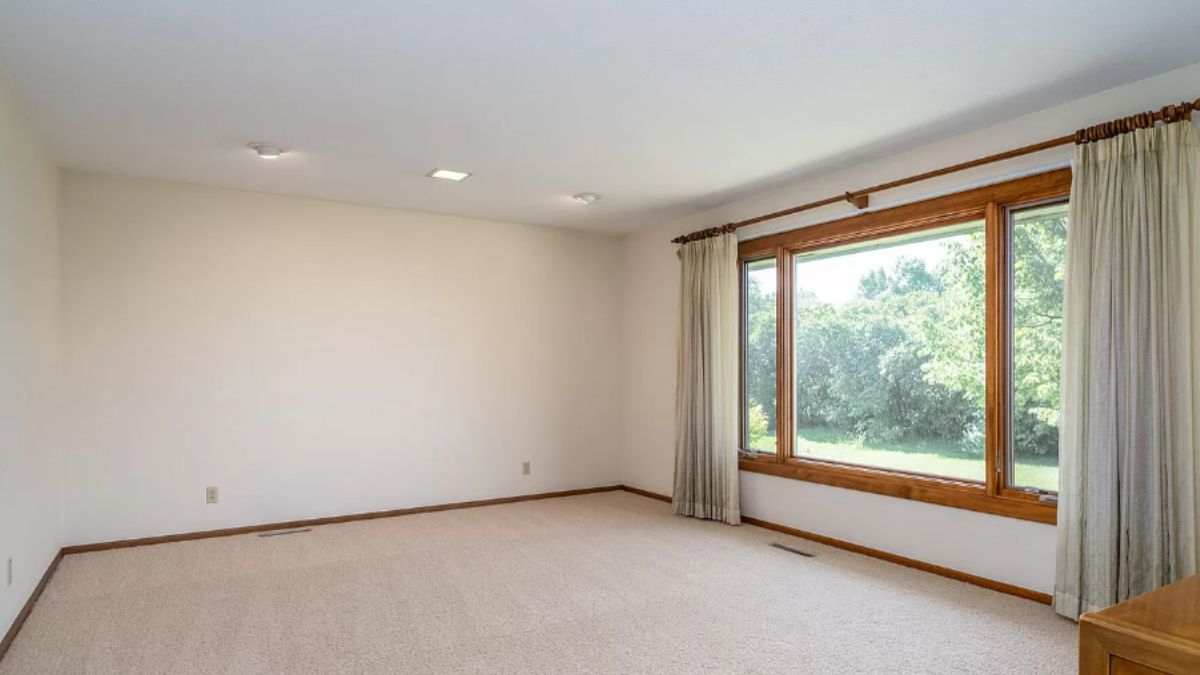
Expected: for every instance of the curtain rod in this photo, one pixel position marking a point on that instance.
(861, 198)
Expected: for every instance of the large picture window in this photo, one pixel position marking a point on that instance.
(920, 352)
(889, 353)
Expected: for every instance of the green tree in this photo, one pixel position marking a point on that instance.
(761, 352)
(956, 332)
(1039, 257)
(860, 366)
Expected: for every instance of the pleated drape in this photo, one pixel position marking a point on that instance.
(706, 415)
(1128, 503)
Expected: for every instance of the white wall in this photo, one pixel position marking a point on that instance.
(29, 356)
(315, 358)
(1013, 551)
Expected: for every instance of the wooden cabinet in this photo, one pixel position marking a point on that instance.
(1152, 634)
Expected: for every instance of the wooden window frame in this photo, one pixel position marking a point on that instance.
(990, 203)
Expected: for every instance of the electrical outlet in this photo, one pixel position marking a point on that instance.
(525, 467)
(210, 495)
(9, 575)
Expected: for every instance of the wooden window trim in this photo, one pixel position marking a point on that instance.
(990, 203)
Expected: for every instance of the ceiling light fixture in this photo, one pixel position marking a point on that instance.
(265, 150)
(586, 197)
(449, 174)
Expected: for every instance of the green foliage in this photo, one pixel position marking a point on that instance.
(760, 352)
(905, 361)
(756, 427)
(861, 366)
(1039, 251)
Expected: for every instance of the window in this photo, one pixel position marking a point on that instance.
(1038, 237)
(920, 352)
(889, 353)
(760, 374)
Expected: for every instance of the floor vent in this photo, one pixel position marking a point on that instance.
(276, 534)
(797, 551)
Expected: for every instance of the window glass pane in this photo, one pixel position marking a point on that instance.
(1039, 252)
(759, 418)
(889, 353)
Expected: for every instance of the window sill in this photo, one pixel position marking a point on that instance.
(929, 489)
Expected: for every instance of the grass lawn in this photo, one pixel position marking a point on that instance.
(932, 457)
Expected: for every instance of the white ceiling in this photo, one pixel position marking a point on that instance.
(663, 107)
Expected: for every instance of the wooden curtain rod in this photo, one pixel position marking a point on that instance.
(861, 198)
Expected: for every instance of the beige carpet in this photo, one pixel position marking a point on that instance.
(601, 583)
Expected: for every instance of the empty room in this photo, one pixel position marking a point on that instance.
(599, 337)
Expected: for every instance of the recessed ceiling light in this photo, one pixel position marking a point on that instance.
(449, 174)
(586, 197)
(265, 150)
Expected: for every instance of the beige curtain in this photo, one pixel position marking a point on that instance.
(1128, 504)
(706, 395)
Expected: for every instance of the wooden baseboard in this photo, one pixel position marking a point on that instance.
(646, 493)
(329, 520)
(947, 572)
(33, 598)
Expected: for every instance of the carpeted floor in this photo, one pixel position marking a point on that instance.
(602, 583)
